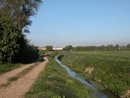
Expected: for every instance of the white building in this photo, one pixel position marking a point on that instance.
(55, 49)
(42, 48)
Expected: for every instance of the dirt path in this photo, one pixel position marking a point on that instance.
(4, 77)
(18, 88)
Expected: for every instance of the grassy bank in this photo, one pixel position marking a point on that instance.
(8, 67)
(54, 82)
(110, 68)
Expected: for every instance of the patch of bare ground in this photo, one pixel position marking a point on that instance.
(18, 88)
(89, 70)
(127, 95)
(4, 77)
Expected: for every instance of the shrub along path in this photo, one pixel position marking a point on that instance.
(18, 88)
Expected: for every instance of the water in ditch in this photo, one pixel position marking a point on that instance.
(95, 92)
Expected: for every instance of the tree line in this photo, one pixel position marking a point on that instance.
(92, 48)
(14, 21)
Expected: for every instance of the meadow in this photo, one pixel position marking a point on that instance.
(111, 69)
(54, 82)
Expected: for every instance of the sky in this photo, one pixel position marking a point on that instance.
(81, 22)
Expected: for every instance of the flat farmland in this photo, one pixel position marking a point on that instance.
(111, 69)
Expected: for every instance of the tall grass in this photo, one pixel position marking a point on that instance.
(54, 82)
(111, 68)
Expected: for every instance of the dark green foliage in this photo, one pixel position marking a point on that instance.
(29, 54)
(14, 19)
(14, 46)
(49, 48)
(68, 48)
(9, 37)
(128, 46)
(19, 11)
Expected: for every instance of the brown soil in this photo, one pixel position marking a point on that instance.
(18, 88)
(89, 70)
(4, 77)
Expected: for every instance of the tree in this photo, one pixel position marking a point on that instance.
(68, 48)
(117, 46)
(110, 46)
(30, 54)
(9, 37)
(128, 46)
(19, 11)
(14, 19)
(49, 48)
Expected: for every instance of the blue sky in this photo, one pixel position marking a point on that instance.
(81, 22)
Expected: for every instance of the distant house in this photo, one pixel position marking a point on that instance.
(57, 49)
(42, 48)
(54, 49)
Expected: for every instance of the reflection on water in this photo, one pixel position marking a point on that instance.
(95, 92)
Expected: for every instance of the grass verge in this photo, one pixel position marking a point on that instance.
(8, 67)
(54, 82)
(111, 68)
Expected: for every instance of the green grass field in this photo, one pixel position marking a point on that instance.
(54, 82)
(110, 68)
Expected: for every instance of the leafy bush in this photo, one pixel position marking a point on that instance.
(29, 54)
(9, 37)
